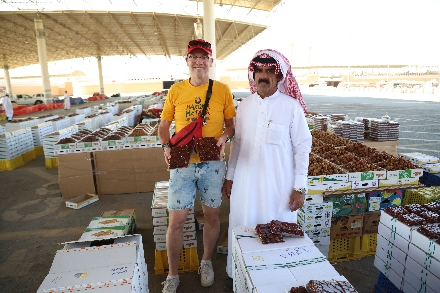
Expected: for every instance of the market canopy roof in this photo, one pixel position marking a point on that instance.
(266, 5)
(73, 34)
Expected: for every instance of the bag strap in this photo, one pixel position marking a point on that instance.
(208, 97)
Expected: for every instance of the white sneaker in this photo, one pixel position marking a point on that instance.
(170, 285)
(207, 273)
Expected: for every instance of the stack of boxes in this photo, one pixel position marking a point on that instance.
(59, 123)
(84, 110)
(40, 131)
(315, 220)
(276, 267)
(132, 114)
(14, 144)
(188, 256)
(320, 122)
(383, 130)
(20, 124)
(351, 130)
(409, 259)
(75, 118)
(51, 139)
(85, 124)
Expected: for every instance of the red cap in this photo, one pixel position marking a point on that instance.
(199, 44)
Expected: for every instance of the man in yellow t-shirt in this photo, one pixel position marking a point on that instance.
(184, 103)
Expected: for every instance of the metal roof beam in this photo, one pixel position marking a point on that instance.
(97, 44)
(111, 36)
(225, 34)
(177, 35)
(162, 39)
(72, 31)
(228, 50)
(255, 5)
(126, 34)
(142, 32)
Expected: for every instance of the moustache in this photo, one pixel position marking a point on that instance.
(263, 80)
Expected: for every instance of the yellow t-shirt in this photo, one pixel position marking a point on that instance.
(185, 102)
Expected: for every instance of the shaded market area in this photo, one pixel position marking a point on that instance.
(40, 219)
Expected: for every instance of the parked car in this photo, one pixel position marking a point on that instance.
(22, 99)
(40, 99)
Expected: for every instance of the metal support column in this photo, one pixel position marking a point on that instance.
(209, 33)
(7, 77)
(101, 79)
(42, 57)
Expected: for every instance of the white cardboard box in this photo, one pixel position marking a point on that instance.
(397, 226)
(427, 245)
(389, 261)
(388, 272)
(390, 249)
(408, 288)
(425, 259)
(422, 275)
(393, 238)
(120, 265)
(82, 201)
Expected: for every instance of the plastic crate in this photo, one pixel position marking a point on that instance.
(424, 195)
(7, 165)
(51, 163)
(29, 156)
(368, 244)
(188, 261)
(384, 285)
(407, 198)
(39, 150)
(345, 249)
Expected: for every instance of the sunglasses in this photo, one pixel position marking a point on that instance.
(196, 43)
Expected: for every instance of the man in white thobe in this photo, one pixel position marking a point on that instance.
(66, 101)
(267, 170)
(7, 105)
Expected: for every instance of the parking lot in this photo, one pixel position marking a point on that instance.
(35, 221)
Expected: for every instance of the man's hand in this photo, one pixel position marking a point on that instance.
(221, 143)
(226, 189)
(167, 154)
(296, 200)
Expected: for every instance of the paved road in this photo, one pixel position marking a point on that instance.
(418, 115)
(34, 220)
(419, 120)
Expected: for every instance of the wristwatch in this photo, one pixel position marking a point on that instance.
(166, 145)
(301, 190)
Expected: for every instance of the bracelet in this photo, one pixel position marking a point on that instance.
(166, 145)
(227, 136)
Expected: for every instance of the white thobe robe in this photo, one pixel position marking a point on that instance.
(269, 157)
(7, 105)
(67, 101)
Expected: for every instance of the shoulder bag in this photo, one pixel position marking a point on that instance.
(193, 131)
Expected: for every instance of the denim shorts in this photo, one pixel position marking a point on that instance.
(206, 177)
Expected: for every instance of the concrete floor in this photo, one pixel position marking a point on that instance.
(35, 220)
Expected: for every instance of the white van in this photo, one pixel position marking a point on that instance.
(22, 99)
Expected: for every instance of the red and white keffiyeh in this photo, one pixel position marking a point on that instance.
(287, 85)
